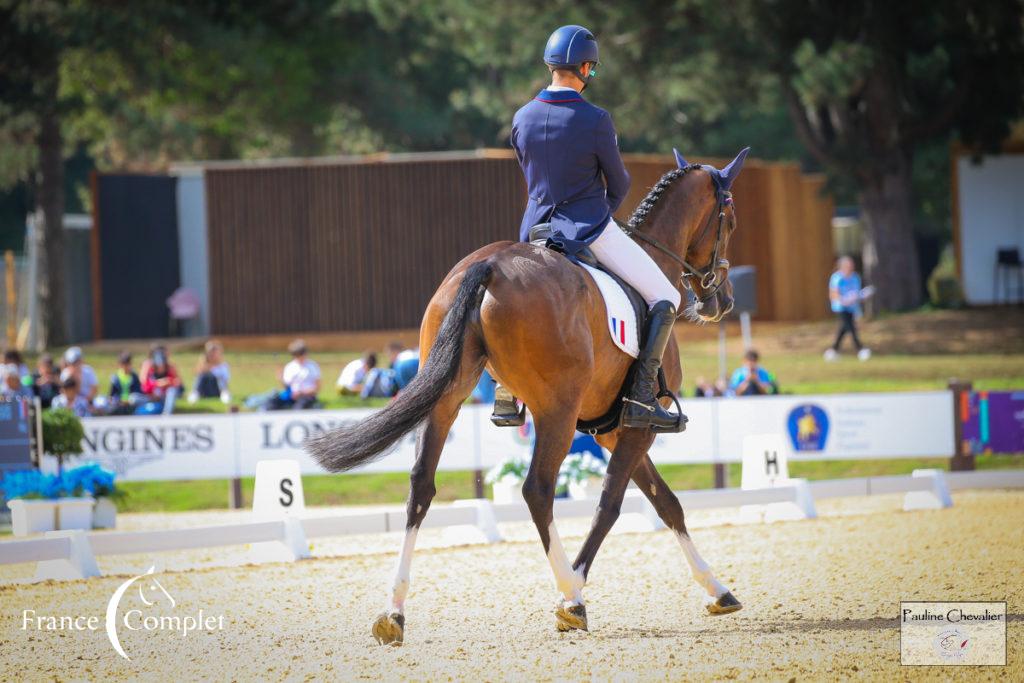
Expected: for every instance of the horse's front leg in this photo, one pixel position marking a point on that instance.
(631, 446)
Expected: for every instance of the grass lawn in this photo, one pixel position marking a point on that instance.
(368, 489)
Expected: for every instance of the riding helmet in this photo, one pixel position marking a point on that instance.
(570, 46)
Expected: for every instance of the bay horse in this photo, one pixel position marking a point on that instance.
(537, 322)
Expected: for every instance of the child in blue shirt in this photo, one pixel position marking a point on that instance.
(845, 294)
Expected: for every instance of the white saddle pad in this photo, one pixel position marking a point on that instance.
(619, 312)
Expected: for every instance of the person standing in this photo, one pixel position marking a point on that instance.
(845, 294)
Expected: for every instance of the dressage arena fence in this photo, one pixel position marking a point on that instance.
(72, 554)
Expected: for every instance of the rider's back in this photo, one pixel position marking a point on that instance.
(565, 145)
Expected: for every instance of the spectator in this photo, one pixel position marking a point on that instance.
(12, 387)
(160, 380)
(705, 389)
(751, 379)
(350, 381)
(722, 387)
(46, 380)
(301, 379)
(406, 365)
(125, 387)
(845, 293)
(71, 399)
(85, 377)
(212, 374)
(383, 382)
(13, 357)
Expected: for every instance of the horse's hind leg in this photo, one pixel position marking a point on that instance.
(389, 628)
(719, 600)
(631, 445)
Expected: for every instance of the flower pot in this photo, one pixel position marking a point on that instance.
(32, 516)
(508, 490)
(74, 513)
(104, 515)
(587, 489)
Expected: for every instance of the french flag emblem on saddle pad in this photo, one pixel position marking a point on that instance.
(621, 317)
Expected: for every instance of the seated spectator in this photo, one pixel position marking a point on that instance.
(70, 398)
(350, 381)
(46, 380)
(160, 380)
(212, 374)
(705, 389)
(85, 377)
(722, 387)
(751, 379)
(125, 387)
(381, 382)
(406, 365)
(301, 380)
(13, 357)
(11, 387)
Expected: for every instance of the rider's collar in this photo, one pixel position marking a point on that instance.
(558, 96)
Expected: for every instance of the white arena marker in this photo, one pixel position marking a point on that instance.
(934, 498)
(278, 492)
(766, 465)
(278, 496)
(79, 564)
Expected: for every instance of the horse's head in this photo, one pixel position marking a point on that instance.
(705, 263)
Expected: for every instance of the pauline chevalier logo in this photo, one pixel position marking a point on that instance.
(154, 610)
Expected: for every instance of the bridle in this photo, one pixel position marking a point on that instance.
(708, 276)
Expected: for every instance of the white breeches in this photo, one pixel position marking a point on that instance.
(624, 257)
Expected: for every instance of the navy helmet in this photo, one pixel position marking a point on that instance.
(569, 47)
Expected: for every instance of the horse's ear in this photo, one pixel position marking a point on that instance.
(680, 161)
(730, 172)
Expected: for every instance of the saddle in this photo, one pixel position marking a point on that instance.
(541, 235)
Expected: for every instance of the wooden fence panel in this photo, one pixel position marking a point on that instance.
(316, 247)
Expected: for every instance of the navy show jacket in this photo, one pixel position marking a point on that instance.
(575, 177)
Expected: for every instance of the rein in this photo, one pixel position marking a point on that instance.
(708, 276)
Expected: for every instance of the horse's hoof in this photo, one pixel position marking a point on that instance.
(571, 618)
(389, 629)
(726, 604)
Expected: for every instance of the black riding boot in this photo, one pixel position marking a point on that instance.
(641, 407)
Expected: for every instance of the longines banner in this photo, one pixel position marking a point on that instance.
(850, 426)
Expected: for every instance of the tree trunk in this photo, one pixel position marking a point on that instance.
(50, 204)
(890, 253)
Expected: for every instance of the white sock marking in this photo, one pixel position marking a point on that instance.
(400, 585)
(700, 569)
(569, 582)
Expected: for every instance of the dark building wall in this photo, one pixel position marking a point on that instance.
(137, 245)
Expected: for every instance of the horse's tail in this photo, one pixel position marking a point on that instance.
(350, 446)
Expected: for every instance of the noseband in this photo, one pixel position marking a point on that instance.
(708, 276)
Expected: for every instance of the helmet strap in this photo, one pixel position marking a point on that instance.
(579, 74)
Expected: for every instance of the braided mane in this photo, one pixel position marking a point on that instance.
(644, 208)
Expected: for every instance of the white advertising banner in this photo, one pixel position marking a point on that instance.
(848, 426)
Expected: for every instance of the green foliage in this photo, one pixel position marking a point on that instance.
(62, 433)
(944, 289)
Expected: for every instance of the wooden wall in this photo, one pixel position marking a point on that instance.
(362, 246)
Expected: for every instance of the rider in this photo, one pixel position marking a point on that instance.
(565, 146)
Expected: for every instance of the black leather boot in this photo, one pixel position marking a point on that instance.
(507, 412)
(640, 406)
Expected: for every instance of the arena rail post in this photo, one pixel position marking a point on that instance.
(77, 560)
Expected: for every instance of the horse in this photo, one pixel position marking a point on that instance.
(537, 322)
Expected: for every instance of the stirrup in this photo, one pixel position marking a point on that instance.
(507, 413)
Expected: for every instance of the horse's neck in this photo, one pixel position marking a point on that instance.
(673, 237)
